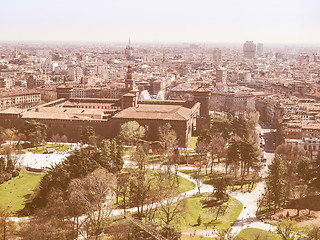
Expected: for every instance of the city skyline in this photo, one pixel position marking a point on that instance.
(285, 22)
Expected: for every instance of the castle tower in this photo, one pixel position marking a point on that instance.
(202, 96)
(129, 93)
(129, 82)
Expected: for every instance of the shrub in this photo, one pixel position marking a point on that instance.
(15, 173)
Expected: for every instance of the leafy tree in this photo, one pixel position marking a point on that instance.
(9, 135)
(223, 126)
(242, 154)
(249, 155)
(132, 132)
(233, 154)
(220, 187)
(112, 154)
(35, 132)
(276, 182)
(292, 155)
(304, 170)
(78, 165)
(87, 134)
(240, 126)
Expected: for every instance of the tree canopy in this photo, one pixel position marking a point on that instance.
(79, 165)
(131, 132)
(35, 132)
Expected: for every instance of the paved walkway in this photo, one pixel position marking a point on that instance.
(40, 161)
(246, 219)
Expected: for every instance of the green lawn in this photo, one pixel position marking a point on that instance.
(254, 233)
(194, 209)
(192, 142)
(15, 193)
(185, 185)
(42, 149)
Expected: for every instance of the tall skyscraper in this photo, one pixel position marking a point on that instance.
(249, 49)
(260, 49)
(221, 75)
(216, 54)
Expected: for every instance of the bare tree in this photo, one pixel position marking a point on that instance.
(96, 193)
(55, 138)
(287, 230)
(226, 235)
(140, 185)
(123, 179)
(169, 143)
(217, 148)
(64, 139)
(7, 227)
(172, 204)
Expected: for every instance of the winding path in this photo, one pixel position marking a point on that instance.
(246, 219)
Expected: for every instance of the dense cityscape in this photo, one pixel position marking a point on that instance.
(222, 139)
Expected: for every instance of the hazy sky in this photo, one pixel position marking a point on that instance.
(268, 21)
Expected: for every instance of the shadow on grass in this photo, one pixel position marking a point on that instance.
(211, 203)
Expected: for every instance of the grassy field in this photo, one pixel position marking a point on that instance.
(185, 185)
(254, 233)
(15, 193)
(194, 209)
(42, 149)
